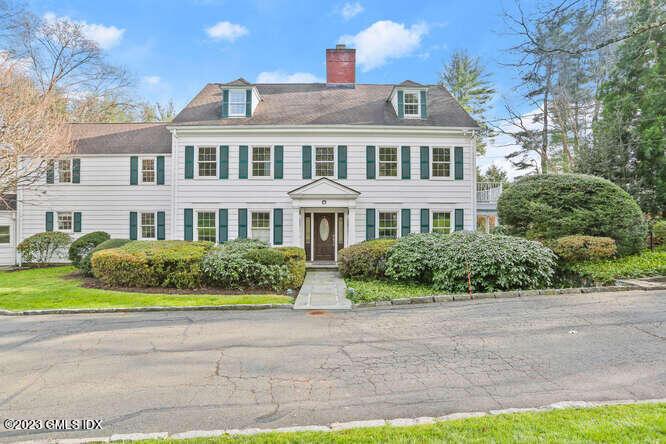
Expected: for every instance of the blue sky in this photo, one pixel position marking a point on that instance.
(175, 47)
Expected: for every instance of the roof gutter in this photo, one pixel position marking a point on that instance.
(324, 129)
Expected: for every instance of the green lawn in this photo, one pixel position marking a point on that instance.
(647, 263)
(383, 290)
(43, 289)
(627, 423)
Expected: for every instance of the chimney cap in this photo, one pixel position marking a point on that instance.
(340, 46)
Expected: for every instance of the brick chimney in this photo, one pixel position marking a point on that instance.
(340, 66)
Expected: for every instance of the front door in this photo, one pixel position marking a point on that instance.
(324, 237)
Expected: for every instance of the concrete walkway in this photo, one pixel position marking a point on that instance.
(324, 290)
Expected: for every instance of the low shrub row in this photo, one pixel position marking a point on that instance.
(366, 259)
(85, 265)
(583, 248)
(84, 245)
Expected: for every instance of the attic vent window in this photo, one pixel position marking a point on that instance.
(237, 103)
(412, 104)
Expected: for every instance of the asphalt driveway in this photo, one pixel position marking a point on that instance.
(179, 371)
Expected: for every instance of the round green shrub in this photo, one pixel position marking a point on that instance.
(229, 268)
(85, 265)
(583, 248)
(554, 205)
(40, 248)
(83, 245)
(265, 256)
(414, 257)
(365, 259)
(294, 258)
(244, 245)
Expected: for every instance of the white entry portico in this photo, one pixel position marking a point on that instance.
(324, 218)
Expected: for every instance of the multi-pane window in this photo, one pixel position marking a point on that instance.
(411, 104)
(207, 161)
(324, 161)
(148, 226)
(237, 102)
(4, 234)
(148, 170)
(261, 228)
(388, 161)
(441, 162)
(65, 171)
(206, 226)
(261, 161)
(388, 225)
(441, 223)
(65, 221)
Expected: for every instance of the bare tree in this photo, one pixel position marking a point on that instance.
(33, 130)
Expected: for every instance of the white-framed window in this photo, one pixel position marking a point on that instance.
(261, 161)
(387, 226)
(4, 234)
(261, 226)
(207, 161)
(148, 226)
(324, 161)
(388, 161)
(65, 221)
(441, 222)
(206, 225)
(65, 171)
(441, 162)
(412, 103)
(148, 167)
(237, 102)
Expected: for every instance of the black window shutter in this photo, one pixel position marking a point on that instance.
(370, 169)
(225, 103)
(425, 220)
(242, 161)
(223, 225)
(248, 103)
(405, 221)
(49, 221)
(161, 231)
(188, 220)
(77, 222)
(189, 162)
(50, 172)
(224, 161)
(425, 162)
(307, 162)
(458, 160)
(133, 225)
(278, 157)
(277, 226)
(460, 219)
(401, 104)
(160, 170)
(424, 106)
(369, 223)
(342, 161)
(242, 223)
(405, 155)
(134, 170)
(76, 170)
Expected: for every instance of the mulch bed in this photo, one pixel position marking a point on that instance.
(91, 282)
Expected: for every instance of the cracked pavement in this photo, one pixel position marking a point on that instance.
(180, 371)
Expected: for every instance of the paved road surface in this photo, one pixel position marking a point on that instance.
(184, 371)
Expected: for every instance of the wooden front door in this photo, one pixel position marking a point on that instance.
(324, 237)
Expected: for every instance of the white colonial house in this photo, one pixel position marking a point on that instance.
(319, 166)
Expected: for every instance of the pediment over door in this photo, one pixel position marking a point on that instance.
(324, 188)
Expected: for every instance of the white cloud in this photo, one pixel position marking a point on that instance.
(384, 40)
(152, 80)
(105, 36)
(226, 31)
(280, 76)
(350, 10)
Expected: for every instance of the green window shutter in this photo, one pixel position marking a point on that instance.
(278, 156)
(188, 220)
(425, 162)
(248, 103)
(401, 104)
(224, 161)
(425, 220)
(277, 226)
(406, 162)
(50, 172)
(76, 170)
(242, 162)
(77, 222)
(342, 161)
(49, 221)
(160, 170)
(369, 223)
(225, 103)
(424, 106)
(242, 223)
(460, 219)
(370, 162)
(133, 225)
(405, 221)
(161, 231)
(189, 162)
(134, 170)
(307, 162)
(458, 161)
(223, 225)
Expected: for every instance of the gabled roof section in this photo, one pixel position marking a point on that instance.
(238, 82)
(410, 83)
(121, 138)
(324, 187)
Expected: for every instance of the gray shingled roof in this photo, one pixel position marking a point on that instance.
(317, 104)
(121, 138)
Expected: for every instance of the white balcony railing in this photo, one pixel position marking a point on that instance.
(488, 191)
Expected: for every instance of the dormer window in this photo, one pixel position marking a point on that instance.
(237, 102)
(412, 104)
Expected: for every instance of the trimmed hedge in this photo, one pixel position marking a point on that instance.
(583, 248)
(265, 256)
(84, 245)
(294, 259)
(551, 206)
(414, 257)
(152, 264)
(86, 264)
(41, 247)
(366, 259)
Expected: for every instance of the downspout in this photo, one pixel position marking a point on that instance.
(174, 166)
